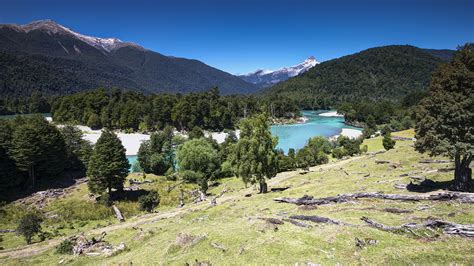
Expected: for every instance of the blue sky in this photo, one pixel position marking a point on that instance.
(241, 36)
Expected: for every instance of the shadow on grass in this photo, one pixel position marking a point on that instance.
(429, 185)
(128, 195)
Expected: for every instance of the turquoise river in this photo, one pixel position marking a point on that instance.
(297, 135)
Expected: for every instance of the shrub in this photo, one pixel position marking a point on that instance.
(29, 225)
(364, 149)
(65, 247)
(226, 169)
(388, 142)
(339, 152)
(149, 201)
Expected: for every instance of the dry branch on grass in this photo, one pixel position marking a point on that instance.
(317, 219)
(297, 223)
(449, 228)
(434, 161)
(445, 196)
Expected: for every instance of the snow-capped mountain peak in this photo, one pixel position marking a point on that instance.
(51, 27)
(266, 78)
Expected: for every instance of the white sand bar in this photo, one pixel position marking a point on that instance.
(331, 114)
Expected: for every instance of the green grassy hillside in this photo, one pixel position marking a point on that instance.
(237, 231)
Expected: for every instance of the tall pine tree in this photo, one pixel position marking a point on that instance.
(108, 165)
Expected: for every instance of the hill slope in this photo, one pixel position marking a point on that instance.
(53, 59)
(388, 72)
(235, 230)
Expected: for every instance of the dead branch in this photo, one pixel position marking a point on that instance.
(449, 228)
(396, 210)
(434, 161)
(317, 219)
(382, 161)
(118, 214)
(297, 223)
(271, 220)
(218, 246)
(445, 196)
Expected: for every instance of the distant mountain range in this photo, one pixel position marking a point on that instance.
(381, 73)
(266, 78)
(47, 57)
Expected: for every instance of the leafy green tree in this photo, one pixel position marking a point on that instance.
(388, 142)
(254, 156)
(351, 146)
(37, 148)
(78, 150)
(108, 165)
(304, 158)
(94, 121)
(196, 133)
(157, 154)
(445, 118)
(339, 152)
(319, 144)
(9, 176)
(198, 162)
(29, 225)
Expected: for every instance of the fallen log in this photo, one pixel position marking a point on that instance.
(271, 220)
(297, 223)
(449, 228)
(7, 230)
(218, 246)
(434, 161)
(396, 210)
(445, 196)
(317, 219)
(118, 214)
(382, 161)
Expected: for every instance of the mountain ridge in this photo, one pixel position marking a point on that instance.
(266, 78)
(380, 73)
(75, 62)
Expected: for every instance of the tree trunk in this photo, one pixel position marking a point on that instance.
(462, 174)
(263, 187)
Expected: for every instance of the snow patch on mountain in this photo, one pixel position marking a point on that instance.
(265, 78)
(51, 27)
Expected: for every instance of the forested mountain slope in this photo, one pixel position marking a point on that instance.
(382, 73)
(47, 57)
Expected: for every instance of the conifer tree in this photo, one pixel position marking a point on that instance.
(108, 165)
(388, 142)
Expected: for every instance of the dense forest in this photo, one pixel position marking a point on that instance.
(135, 111)
(382, 73)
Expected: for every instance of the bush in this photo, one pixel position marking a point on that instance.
(226, 169)
(364, 149)
(388, 142)
(29, 225)
(339, 152)
(149, 201)
(65, 247)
